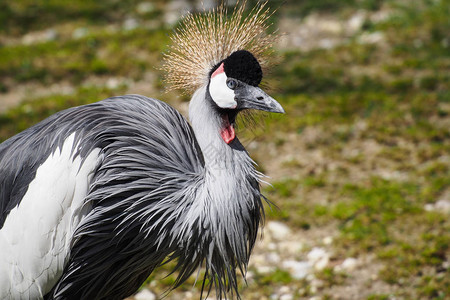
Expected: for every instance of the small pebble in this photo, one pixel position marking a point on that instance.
(278, 230)
(286, 297)
(319, 258)
(328, 240)
(145, 7)
(145, 294)
(80, 33)
(297, 269)
(349, 264)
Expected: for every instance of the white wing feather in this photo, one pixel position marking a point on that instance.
(35, 238)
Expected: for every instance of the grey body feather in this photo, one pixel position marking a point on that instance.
(163, 190)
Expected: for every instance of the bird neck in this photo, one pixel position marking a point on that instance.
(207, 124)
(221, 220)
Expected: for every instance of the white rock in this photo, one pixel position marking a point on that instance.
(319, 258)
(257, 259)
(380, 16)
(291, 247)
(371, 38)
(40, 37)
(317, 283)
(310, 277)
(286, 297)
(327, 43)
(322, 264)
(356, 21)
(443, 205)
(273, 258)
(145, 294)
(51, 35)
(278, 230)
(297, 269)
(349, 264)
(328, 240)
(265, 269)
(80, 33)
(326, 25)
(145, 7)
(272, 246)
(316, 254)
(28, 39)
(112, 83)
(130, 24)
(428, 207)
(176, 9)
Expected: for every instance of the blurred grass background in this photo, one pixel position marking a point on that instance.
(360, 163)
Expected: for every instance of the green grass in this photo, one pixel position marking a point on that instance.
(18, 17)
(100, 53)
(401, 100)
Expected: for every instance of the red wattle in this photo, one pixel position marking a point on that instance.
(227, 132)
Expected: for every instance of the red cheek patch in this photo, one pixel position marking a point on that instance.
(218, 71)
(227, 132)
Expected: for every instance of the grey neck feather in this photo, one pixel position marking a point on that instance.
(206, 123)
(228, 204)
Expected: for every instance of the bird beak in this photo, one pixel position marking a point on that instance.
(252, 97)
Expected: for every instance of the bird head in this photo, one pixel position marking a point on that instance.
(207, 50)
(233, 87)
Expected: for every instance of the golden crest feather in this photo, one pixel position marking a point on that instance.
(203, 40)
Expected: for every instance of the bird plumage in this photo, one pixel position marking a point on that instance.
(35, 238)
(111, 190)
(145, 174)
(203, 40)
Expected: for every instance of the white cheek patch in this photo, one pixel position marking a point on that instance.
(220, 93)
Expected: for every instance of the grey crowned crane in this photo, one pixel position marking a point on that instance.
(94, 198)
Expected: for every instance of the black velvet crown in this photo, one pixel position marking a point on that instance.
(242, 65)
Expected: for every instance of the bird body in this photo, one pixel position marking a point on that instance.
(35, 238)
(95, 197)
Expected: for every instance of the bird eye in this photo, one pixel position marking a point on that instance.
(231, 83)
